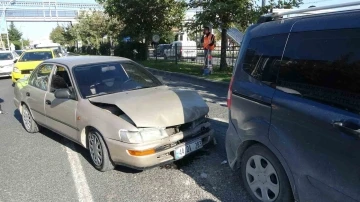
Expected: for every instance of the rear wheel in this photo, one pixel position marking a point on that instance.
(29, 123)
(263, 176)
(98, 152)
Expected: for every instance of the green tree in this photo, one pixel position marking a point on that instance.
(143, 18)
(57, 35)
(92, 26)
(223, 14)
(14, 33)
(286, 4)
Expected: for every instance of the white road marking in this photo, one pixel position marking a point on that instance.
(81, 185)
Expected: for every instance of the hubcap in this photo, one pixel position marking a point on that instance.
(262, 178)
(26, 119)
(95, 149)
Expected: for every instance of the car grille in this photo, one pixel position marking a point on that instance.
(26, 71)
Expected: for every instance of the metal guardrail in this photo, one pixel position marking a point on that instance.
(185, 54)
(41, 13)
(51, 4)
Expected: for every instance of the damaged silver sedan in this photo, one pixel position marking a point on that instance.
(115, 108)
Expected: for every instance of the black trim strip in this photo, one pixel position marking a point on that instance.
(252, 99)
(56, 120)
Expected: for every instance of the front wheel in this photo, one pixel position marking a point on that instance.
(98, 152)
(264, 177)
(29, 123)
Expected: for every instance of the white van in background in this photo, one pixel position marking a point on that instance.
(59, 49)
(185, 50)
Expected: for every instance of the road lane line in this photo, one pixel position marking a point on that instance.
(82, 188)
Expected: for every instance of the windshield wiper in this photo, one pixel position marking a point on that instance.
(102, 93)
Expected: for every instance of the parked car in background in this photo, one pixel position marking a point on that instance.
(98, 102)
(181, 50)
(28, 61)
(159, 50)
(7, 60)
(294, 130)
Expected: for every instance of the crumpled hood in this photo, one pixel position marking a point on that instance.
(158, 107)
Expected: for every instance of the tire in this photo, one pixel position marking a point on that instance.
(29, 123)
(97, 150)
(276, 177)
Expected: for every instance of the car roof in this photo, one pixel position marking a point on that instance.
(73, 61)
(39, 50)
(310, 22)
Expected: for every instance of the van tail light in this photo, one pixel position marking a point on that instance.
(229, 96)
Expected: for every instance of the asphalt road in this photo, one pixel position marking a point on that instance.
(46, 167)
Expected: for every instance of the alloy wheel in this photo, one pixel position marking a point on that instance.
(95, 148)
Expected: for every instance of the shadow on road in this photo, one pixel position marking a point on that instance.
(210, 170)
(79, 149)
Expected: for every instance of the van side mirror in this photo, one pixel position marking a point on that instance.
(15, 61)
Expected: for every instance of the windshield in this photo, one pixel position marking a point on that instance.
(35, 56)
(6, 56)
(106, 78)
(19, 52)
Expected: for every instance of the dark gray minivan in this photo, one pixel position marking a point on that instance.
(294, 107)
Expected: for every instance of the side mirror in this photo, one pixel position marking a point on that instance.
(63, 93)
(15, 61)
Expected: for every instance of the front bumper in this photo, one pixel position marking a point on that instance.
(164, 150)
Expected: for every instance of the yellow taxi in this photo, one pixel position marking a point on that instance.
(29, 60)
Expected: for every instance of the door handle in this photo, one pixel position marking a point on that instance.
(348, 128)
(27, 94)
(48, 102)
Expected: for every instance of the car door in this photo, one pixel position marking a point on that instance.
(315, 113)
(252, 88)
(61, 113)
(34, 93)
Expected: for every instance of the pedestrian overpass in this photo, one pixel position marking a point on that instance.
(41, 11)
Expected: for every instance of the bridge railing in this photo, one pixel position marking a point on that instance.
(41, 13)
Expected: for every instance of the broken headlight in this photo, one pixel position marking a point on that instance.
(142, 136)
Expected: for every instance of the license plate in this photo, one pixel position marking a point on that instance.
(182, 151)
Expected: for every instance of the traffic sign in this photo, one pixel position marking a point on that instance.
(156, 38)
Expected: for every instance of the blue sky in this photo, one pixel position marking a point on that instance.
(38, 30)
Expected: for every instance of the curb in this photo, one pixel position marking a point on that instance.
(161, 72)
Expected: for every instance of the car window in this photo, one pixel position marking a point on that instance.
(40, 77)
(56, 53)
(36, 56)
(60, 79)
(262, 58)
(105, 78)
(324, 66)
(15, 54)
(6, 56)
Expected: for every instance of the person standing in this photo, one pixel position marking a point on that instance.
(208, 41)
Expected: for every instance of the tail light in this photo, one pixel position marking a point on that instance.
(229, 96)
